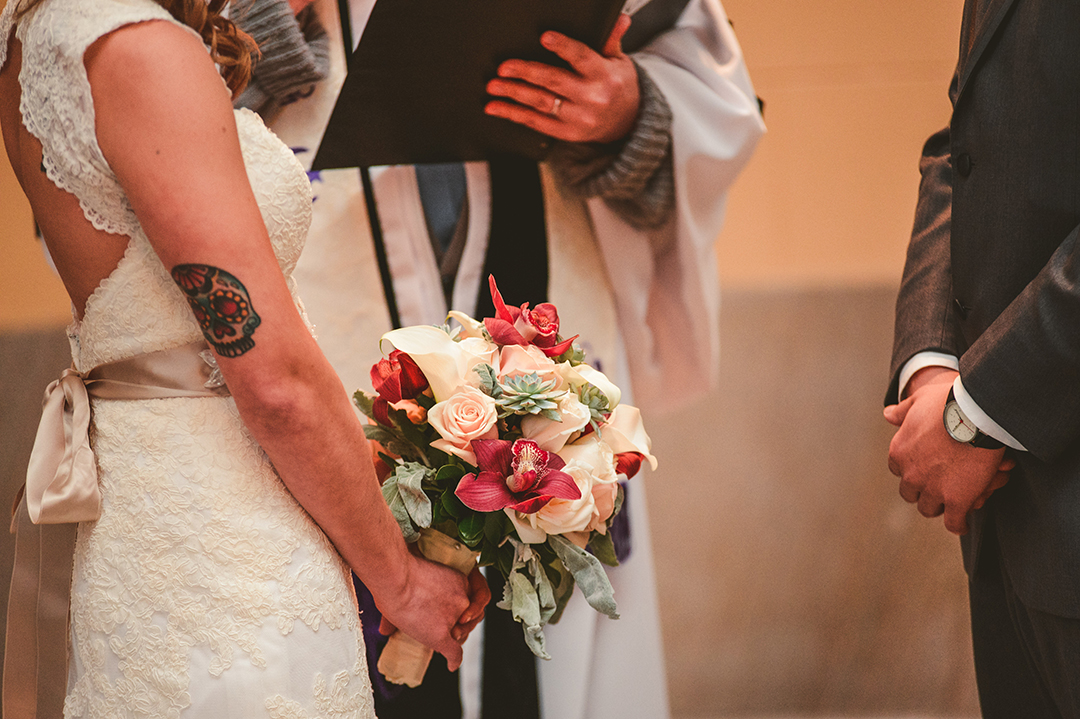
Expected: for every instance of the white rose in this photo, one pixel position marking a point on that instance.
(590, 451)
(604, 494)
(465, 415)
(552, 435)
(561, 516)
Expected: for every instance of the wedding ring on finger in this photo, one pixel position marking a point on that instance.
(556, 105)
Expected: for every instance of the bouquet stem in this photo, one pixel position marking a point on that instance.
(404, 660)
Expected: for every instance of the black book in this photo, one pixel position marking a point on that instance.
(415, 91)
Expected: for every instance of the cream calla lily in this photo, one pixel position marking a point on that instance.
(469, 326)
(625, 432)
(442, 360)
(582, 373)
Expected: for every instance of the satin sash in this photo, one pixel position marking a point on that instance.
(61, 490)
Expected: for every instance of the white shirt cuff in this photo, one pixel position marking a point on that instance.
(922, 360)
(982, 419)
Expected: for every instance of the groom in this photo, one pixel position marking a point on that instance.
(986, 365)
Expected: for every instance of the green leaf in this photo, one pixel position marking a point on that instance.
(489, 384)
(454, 507)
(496, 527)
(397, 508)
(620, 497)
(449, 473)
(552, 414)
(382, 435)
(425, 401)
(365, 403)
(410, 477)
(603, 549)
(393, 441)
(588, 573)
(412, 434)
(472, 529)
(564, 589)
(504, 559)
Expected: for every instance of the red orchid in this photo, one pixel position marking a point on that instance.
(522, 326)
(518, 475)
(395, 378)
(628, 463)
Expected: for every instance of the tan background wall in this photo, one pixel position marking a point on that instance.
(792, 579)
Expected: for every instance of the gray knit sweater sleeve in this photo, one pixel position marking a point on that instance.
(294, 53)
(634, 176)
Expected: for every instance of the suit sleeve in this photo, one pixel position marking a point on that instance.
(925, 313)
(1024, 370)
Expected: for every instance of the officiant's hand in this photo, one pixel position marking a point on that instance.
(596, 100)
(938, 474)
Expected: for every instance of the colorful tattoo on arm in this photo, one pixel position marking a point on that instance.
(222, 306)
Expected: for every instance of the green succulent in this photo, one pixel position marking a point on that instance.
(528, 394)
(597, 402)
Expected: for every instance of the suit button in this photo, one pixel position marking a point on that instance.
(964, 164)
(961, 308)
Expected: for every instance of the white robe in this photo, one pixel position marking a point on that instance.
(645, 301)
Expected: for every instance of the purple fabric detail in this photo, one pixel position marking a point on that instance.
(620, 528)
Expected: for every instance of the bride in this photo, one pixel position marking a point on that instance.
(214, 580)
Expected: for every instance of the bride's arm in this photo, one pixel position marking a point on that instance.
(166, 126)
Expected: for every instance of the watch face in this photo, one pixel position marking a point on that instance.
(959, 427)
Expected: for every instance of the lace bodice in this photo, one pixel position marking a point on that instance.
(137, 308)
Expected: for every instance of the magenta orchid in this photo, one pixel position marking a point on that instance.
(517, 475)
(522, 326)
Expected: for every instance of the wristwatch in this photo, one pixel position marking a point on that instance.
(963, 429)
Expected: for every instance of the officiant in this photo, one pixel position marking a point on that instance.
(616, 228)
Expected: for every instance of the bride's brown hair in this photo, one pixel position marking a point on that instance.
(230, 47)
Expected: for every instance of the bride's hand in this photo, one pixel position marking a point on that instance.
(432, 600)
(479, 596)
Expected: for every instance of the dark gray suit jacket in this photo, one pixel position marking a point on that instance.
(993, 275)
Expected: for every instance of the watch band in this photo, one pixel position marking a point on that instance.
(981, 439)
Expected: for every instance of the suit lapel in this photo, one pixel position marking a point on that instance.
(986, 21)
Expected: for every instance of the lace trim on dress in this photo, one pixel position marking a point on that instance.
(57, 106)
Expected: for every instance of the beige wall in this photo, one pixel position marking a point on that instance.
(31, 295)
(852, 89)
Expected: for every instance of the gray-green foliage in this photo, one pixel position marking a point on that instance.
(529, 595)
(588, 574)
(404, 493)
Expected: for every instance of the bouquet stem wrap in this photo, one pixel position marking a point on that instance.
(405, 660)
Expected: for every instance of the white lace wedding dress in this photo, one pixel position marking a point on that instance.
(204, 590)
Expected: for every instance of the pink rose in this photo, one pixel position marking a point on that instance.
(465, 415)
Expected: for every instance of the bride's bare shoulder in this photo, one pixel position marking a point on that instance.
(152, 51)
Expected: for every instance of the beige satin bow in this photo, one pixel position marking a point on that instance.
(62, 489)
(61, 479)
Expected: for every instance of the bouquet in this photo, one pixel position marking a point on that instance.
(501, 440)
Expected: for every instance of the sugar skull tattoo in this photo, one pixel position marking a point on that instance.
(221, 305)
